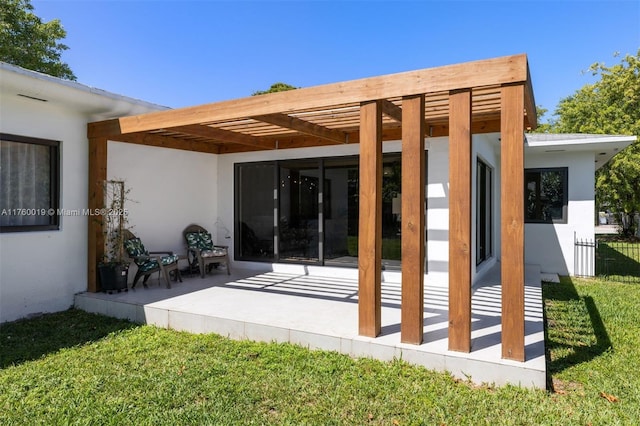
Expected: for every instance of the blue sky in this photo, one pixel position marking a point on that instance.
(180, 53)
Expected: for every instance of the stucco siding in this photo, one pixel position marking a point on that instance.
(169, 189)
(552, 245)
(41, 271)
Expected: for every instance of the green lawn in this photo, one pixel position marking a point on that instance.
(77, 368)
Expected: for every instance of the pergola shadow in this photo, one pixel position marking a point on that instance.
(321, 311)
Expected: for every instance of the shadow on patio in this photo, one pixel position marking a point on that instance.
(321, 312)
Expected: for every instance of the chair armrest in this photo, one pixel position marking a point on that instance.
(170, 253)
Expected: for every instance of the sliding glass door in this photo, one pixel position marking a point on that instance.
(307, 211)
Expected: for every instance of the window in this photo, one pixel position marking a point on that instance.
(484, 214)
(29, 184)
(546, 195)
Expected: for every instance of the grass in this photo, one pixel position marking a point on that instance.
(78, 368)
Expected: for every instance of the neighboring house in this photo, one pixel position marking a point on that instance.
(292, 195)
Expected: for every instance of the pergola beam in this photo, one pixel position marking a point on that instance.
(460, 213)
(413, 180)
(370, 221)
(95, 241)
(490, 72)
(392, 110)
(222, 135)
(169, 142)
(512, 222)
(302, 126)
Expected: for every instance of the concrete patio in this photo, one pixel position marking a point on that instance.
(317, 308)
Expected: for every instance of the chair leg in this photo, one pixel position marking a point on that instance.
(145, 279)
(228, 265)
(165, 274)
(202, 268)
(136, 278)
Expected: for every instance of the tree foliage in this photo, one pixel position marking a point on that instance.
(28, 42)
(611, 105)
(275, 87)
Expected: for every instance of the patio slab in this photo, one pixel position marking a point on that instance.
(317, 308)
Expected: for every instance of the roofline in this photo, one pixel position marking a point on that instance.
(34, 84)
(582, 140)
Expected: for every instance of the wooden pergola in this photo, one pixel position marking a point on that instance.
(493, 95)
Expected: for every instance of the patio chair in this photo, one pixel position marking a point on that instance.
(202, 254)
(149, 262)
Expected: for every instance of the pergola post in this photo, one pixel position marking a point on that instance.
(370, 220)
(413, 168)
(97, 176)
(460, 220)
(512, 226)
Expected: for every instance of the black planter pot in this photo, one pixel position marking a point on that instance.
(113, 277)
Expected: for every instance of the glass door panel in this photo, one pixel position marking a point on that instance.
(255, 211)
(298, 221)
(341, 211)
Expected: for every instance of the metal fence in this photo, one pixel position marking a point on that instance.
(584, 258)
(608, 259)
(618, 261)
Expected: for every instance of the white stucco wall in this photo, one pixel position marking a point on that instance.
(552, 245)
(169, 190)
(41, 271)
(437, 220)
(485, 147)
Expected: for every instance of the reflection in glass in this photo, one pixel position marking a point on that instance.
(545, 194)
(254, 205)
(299, 187)
(315, 215)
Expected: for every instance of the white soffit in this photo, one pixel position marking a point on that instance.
(604, 147)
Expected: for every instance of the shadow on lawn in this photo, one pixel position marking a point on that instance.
(30, 339)
(574, 331)
(618, 260)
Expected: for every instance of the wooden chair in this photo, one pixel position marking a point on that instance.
(202, 253)
(164, 261)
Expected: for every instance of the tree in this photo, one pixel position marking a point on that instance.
(28, 42)
(275, 87)
(611, 105)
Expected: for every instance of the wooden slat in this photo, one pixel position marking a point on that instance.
(221, 135)
(460, 221)
(512, 222)
(303, 126)
(370, 220)
(413, 172)
(490, 72)
(95, 240)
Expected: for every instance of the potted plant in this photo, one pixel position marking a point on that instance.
(113, 270)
